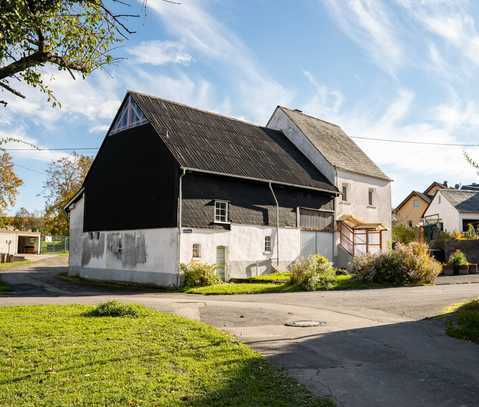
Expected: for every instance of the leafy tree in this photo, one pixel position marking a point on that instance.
(64, 178)
(9, 183)
(78, 36)
(26, 220)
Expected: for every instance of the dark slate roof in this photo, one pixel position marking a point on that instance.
(209, 142)
(334, 144)
(463, 201)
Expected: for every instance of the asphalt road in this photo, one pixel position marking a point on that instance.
(373, 348)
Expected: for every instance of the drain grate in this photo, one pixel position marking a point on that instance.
(305, 323)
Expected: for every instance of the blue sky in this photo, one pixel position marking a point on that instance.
(396, 69)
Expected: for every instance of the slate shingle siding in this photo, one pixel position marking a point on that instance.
(250, 203)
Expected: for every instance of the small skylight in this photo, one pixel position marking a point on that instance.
(130, 116)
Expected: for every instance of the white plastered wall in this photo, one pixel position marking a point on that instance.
(245, 255)
(357, 204)
(147, 256)
(448, 214)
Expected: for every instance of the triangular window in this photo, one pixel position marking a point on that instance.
(130, 116)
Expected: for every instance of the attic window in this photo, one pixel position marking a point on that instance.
(221, 212)
(129, 116)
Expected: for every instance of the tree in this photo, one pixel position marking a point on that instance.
(64, 178)
(404, 234)
(78, 36)
(9, 183)
(26, 220)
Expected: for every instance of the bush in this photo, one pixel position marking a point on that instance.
(404, 234)
(458, 258)
(199, 275)
(116, 309)
(470, 233)
(313, 273)
(407, 264)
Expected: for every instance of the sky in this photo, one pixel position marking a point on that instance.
(398, 69)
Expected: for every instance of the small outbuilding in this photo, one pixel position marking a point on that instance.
(14, 242)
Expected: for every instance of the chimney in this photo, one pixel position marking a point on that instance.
(445, 183)
(457, 186)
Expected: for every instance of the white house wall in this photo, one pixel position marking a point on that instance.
(447, 213)
(280, 121)
(8, 243)
(245, 256)
(358, 201)
(147, 256)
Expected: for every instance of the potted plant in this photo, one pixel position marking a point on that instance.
(459, 262)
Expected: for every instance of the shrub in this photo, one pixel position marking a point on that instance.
(199, 274)
(470, 233)
(407, 264)
(313, 273)
(116, 309)
(404, 234)
(458, 258)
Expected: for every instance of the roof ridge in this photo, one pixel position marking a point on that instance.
(196, 108)
(309, 115)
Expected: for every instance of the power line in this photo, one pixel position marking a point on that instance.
(50, 149)
(416, 142)
(384, 140)
(29, 169)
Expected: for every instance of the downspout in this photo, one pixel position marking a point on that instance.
(180, 223)
(277, 223)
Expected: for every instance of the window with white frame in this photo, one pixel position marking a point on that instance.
(221, 212)
(267, 244)
(345, 192)
(130, 116)
(371, 196)
(196, 250)
(415, 203)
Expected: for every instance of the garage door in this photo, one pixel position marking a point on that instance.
(316, 232)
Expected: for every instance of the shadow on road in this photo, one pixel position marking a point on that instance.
(403, 364)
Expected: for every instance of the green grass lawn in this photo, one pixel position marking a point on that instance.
(57, 356)
(464, 322)
(263, 284)
(7, 266)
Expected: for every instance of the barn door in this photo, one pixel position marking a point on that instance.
(316, 232)
(221, 261)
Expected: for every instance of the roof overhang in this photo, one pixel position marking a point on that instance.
(333, 191)
(75, 199)
(357, 224)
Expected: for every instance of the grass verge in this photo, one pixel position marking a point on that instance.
(264, 285)
(8, 266)
(464, 322)
(57, 356)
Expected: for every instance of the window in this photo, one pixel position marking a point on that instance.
(371, 196)
(415, 203)
(267, 244)
(196, 250)
(221, 212)
(344, 192)
(130, 116)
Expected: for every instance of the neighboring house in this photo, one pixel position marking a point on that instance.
(454, 209)
(363, 210)
(172, 184)
(18, 242)
(411, 210)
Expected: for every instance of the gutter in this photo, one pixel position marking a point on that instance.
(180, 223)
(277, 223)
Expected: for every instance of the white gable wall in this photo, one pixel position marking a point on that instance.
(280, 121)
(448, 214)
(357, 204)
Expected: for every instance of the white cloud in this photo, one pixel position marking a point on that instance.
(449, 20)
(367, 23)
(324, 100)
(258, 94)
(160, 53)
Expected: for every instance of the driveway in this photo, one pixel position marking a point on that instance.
(373, 347)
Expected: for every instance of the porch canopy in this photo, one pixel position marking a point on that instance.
(358, 237)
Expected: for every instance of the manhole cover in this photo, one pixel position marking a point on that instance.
(305, 323)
